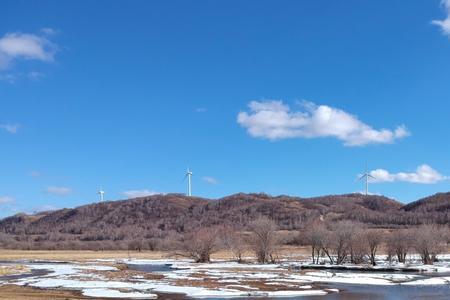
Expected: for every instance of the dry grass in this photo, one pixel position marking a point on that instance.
(13, 292)
(12, 270)
(80, 256)
(77, 255)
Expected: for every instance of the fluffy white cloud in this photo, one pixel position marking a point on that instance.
(25, 46)
(210, 180)
(444, 24)
(59, 190)
(139, 193)
(6, 199)
(274, 120)
(424, 174)
(11, 128)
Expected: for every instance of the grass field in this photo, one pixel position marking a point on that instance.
(13, 292)
(287, 252)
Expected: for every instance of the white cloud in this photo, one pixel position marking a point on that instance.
(11, 128)
(35, 75)
(139, 193)
(274, 120)
(6, 200)
(25, 46)
(210, 180)
(424, 174)
(9, 78)
(12, 78)
(59, 190)
(43, 208)
(49, 31)
(200, 109)
(35, 174)
(444, 24)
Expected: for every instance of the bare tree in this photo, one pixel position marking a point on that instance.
(373, 239)
(399, 244)
(340, 240)
(232, 240)
(429, 241)
(263, 240)
(135, 245)
(357, 245)
(328, 245)
(201, 244)
(315, 236)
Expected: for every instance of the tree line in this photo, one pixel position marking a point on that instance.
(333, 243)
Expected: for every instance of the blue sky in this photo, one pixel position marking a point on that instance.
(282, 97)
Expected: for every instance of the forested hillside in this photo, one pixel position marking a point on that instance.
(158, 220)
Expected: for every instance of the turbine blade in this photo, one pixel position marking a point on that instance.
(362, 177)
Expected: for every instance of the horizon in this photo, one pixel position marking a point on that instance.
(287, 98)
(51, 209)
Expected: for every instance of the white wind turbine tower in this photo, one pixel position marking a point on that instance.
(101, 193)
(189, 177)
(366, 176)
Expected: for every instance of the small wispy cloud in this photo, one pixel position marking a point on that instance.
(6, 200)
(274, 120)
(11, 128)
(35, 174)
(139, 193)
(14, 77)
(59, 190)
(445, 23)
(210, 180)
(46, 207)
(424, 174)
(9, 78)
(200, 109)
(49, 31)
(26, 46)
(35, 75)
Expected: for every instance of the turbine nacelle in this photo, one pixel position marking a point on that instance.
(101, 193)
(366, 176)
(189, 177)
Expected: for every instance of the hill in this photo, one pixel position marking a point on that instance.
(158, 217)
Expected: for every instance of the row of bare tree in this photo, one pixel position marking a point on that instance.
(343, 242)
(261, 239)
(333, 242)
(353, 243)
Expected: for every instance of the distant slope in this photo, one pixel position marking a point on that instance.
(159, 216)
(178, 212)
(436, 203)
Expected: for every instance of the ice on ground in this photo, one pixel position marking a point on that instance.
(231, 279)
(297, 293)
(429, 281)
(109, 293)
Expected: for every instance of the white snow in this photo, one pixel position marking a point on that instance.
(109, 293)
(231, 277)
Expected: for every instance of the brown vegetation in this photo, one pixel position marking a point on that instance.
(350, 242)
(166, 222)
(14, 292)
(263, 239)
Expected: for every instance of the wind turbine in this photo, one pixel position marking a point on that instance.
(101, 193)
(366, 176)
(189, 177)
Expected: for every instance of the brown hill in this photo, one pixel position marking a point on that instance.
(160, 216)
(436, 203)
